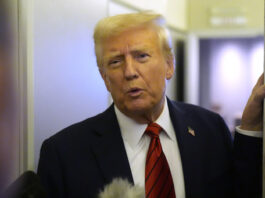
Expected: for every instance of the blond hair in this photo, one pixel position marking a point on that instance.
(115, 25)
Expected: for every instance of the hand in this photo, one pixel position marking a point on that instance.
(252, 118)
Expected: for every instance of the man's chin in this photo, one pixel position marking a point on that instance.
(138, 108)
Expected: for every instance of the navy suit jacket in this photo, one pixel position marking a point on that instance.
(81, 159)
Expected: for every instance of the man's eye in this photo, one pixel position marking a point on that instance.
(142, 57)
(114, 63)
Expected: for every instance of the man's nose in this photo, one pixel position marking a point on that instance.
(130, 71)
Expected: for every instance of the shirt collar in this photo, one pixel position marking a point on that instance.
(132, 131)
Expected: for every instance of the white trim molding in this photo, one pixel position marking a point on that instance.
(25, 74)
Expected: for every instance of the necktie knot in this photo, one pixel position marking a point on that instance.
(153, 130)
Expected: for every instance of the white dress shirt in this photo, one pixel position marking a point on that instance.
(137, 144)
(257, 134)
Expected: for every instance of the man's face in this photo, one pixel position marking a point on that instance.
(135, 71)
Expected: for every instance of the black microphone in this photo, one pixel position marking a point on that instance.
(28, 185)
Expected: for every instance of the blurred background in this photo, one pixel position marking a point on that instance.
(53, 80)
(9, 95)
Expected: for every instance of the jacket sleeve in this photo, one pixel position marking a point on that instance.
(248, 166)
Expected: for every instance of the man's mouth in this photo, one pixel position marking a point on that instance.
(134, 92)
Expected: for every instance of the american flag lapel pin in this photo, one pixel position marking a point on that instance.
(191, 131)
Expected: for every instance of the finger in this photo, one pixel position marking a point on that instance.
(260, 94)
(261, 79)
(259, 83)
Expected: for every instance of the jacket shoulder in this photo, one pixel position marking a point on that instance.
(192, 109)
(82, 129)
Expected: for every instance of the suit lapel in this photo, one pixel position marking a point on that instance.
(109, 148)
(188, 148)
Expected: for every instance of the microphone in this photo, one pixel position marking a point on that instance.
(121, 188)
(28, 185)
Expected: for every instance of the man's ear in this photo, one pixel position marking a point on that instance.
(104, 77)
(170, 67)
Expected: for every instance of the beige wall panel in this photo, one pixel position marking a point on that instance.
(200, 10)
(176, 14)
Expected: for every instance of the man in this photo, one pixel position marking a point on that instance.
(135, 61)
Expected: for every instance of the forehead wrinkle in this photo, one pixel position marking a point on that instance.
(114, 52)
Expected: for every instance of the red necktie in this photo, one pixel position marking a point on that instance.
(158, 179)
